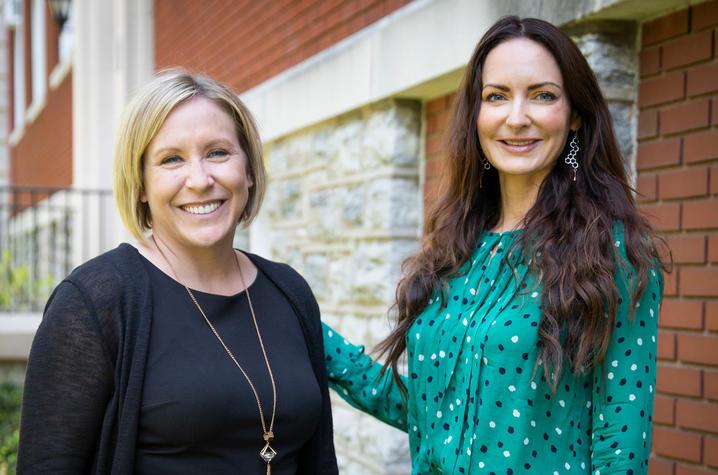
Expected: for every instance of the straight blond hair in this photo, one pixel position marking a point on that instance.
(143, 117)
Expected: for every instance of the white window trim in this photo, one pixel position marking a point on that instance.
(18, 77)
(60, 71)
(38, 58)
(34, 110)
(16, 135)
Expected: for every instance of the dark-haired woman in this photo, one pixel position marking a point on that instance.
(529, 316)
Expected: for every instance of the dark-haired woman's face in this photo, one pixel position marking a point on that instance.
(525, 115)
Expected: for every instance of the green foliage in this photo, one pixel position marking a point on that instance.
(10, 399)
(17, 290)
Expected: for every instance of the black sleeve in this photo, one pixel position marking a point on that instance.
(67, 388)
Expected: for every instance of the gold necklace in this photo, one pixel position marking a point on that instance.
(267, 453)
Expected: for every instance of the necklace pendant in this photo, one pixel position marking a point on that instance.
(267, 453)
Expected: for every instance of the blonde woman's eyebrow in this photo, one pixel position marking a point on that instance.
(164, 151)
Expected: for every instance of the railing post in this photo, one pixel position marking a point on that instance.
(47, 231)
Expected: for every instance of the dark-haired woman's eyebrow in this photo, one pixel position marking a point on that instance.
(544, 84)
(500, 87)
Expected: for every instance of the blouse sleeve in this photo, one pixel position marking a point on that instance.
(356, 378)
(67, 388)
(624, 383)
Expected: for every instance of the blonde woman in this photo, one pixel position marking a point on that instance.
(180, 354)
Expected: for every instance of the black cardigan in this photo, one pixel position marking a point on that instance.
(85, 372)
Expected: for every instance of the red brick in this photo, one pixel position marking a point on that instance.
(666, 345)
(686, 314)
(697, 415)
(684, 117)
(699, 281)
(714, 180)
(434, 144)
(692, 470)
(661, 89)
(665, 27)
(714, 107)
(700, 349)
(710, 384)
(687, 50)
(704, 15)
(646, 187)
(683, 183)
(664, 410)
(680, 381)
(688, 249)
(659, 153)
(438, 122)
(435, 106)
(434, 168)
(660, 467)
(713, 248)
(650, 61)
(700, 214)
(647, 124)
(670, 287)
(677, 444)
(700, 146)
(710, 451)
(712, 315)
(702, 80)
(664, 217)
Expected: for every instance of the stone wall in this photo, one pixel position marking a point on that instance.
(610, 47)
(344, 208)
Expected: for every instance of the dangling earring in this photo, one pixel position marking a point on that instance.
(486, 167)
(571, 156)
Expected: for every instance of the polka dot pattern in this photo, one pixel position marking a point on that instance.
(475, 404)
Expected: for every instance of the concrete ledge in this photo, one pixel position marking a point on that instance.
(16, 333)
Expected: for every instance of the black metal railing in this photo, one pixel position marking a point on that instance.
(40, 228)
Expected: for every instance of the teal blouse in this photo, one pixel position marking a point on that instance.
(475, 404)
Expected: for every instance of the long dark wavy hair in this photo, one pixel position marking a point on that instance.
(569, 226)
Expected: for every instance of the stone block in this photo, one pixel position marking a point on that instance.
(316, 272)
(375, 271)
(392, 203)
(392, 135)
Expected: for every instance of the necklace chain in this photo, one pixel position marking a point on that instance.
(267, 453)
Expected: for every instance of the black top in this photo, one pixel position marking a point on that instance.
(198, 412)
(85, 374)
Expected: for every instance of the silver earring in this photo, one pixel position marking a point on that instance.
(486, 167)
(571, 156)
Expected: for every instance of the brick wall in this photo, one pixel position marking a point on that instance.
(244, 42)
(678, 178)
(43, 156)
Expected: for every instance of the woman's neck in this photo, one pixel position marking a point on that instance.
(211, 269)
(518, 195)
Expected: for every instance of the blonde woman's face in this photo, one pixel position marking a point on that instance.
(525, 114)
(196, 179)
